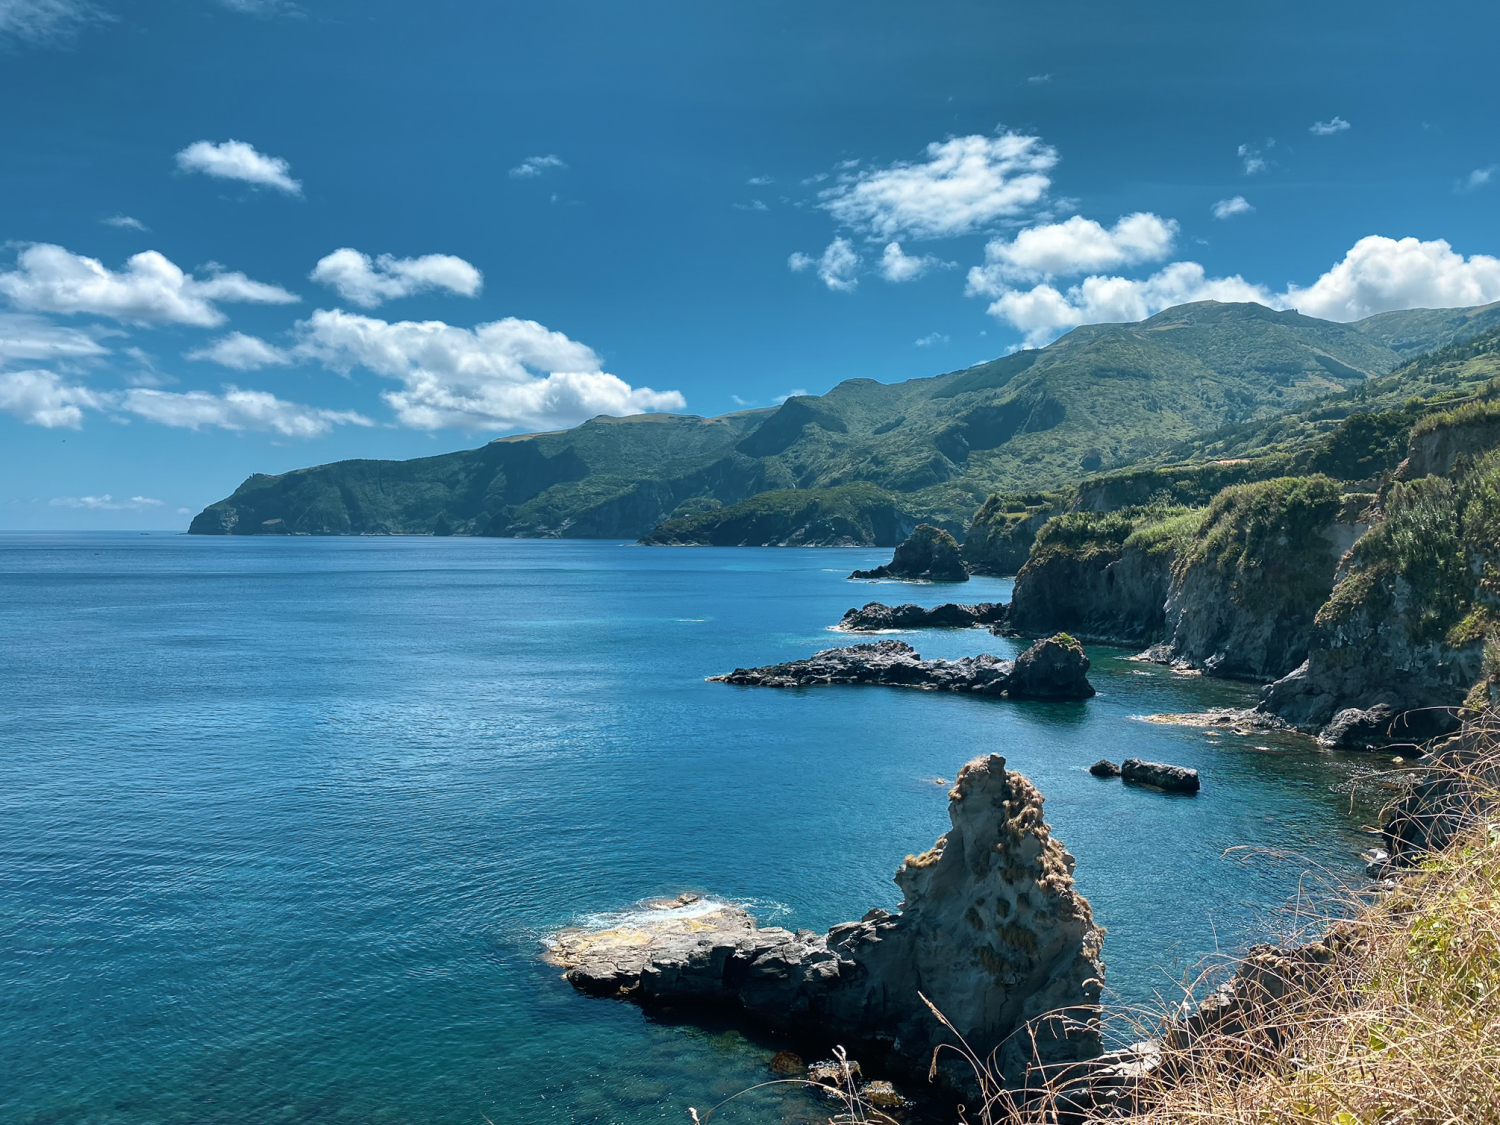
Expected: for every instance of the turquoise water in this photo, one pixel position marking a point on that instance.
(284, 821)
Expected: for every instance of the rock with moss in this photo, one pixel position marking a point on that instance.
(1052, 669)
(990, 929)
(928, 554)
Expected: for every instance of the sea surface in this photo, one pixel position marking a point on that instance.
(284, 822)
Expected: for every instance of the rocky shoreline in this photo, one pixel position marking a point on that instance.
(1056, 668)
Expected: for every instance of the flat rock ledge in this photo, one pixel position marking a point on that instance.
(990, 929)
(874, 617)
(1056, 668)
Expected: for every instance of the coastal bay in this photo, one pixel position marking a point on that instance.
(286, 820)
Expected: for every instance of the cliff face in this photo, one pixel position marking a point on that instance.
(990, 929)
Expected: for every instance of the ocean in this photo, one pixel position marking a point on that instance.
(285, 822)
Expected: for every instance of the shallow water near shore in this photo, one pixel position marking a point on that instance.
(285, 821)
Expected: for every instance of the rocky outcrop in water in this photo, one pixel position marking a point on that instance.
(876, 617)
(928, 554)
(1056, 668)
(1160, 775)
(990, 929)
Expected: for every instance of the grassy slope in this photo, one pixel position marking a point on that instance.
(1102, 395)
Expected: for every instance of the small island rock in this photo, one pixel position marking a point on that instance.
(1159, 775)
(1055, 668)
(928, 554)
(1104, 768)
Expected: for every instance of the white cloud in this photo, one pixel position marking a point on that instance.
(236, 160)
(753, 205)
(1328, 128)
(1042, 312)
(779, 399)
(896, 265)
(151, 288)
(45, 21)
(1236, 205)
(125, 222)
(1254, 159)
(1380, 274)
(259, 7)
(34, 338)
(242, 352)
(106, 503)
(1476, 179)
(932, 340)
(1075, 246)
(235, 409)
(499, 375)
(837, 266)
(41, 398)
(965, 184)
(369, 283)
(760, 181)
(534, 166)
(1039, 79)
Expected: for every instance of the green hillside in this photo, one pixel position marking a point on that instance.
(1103, 396)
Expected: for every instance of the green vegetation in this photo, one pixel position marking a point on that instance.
(1267, 540)
(853, 514)
(1102, 396)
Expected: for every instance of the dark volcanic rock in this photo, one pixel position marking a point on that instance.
(897, 664)
(1104, 768)
(929, 554)
(990, 929)
(1172, 779)
(873, 617)
(1355, 729)
(1056, 668)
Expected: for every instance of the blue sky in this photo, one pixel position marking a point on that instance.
(382, 229)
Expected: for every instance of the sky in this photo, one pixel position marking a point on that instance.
(244, 236)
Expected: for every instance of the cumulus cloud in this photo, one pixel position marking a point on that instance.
(45, 21)
(125, 222)
(931, 340)
(242, 352)
(1237, 205)
(1075, 246)
(1380, 274)
(236, 160)
(42, 398)
(836, 267)
(1254, 159)
(235, 409)
(1328, 128)
(151, 288)
(369, 283)
(500, 375)
(1044, 311)
(35, 338)
(964, 184)
(534, 166)
(1476, 179)
(106, 503)
(896, 265)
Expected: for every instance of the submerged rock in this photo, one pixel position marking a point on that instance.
(1160, 775)
(873, 617)
(1050, 669)
(928, 554)
(990, 929)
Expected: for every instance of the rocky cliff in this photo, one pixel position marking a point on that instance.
(990, 929)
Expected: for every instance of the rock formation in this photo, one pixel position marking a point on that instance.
(1160, 775)
(929, 554)
(990, 929)
(1056, 668)
(874, 617)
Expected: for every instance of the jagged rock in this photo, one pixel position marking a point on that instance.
(928, 554)
(787, 1063)
(874, 617)
(1052, 672)
(1455, 791)
(1104, 768)
(1160, 775)
(1355, 729)
(990, 929)
(1056, 668)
